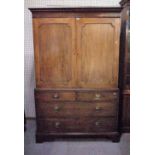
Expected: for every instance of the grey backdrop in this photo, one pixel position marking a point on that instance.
(29, 82)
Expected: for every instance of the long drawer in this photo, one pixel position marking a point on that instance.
(83, 124)
(76, 109)
(79, 95)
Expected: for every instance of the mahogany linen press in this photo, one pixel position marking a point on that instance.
(77, 70)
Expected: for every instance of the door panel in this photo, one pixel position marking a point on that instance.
(98, 52)
(54, 52)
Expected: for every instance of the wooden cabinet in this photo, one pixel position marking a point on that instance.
(77, 71)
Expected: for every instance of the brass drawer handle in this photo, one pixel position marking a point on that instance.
(98, 108)
(56, 108)
(97, 123)
(57, 124)
(97, 96)
(56, 96)
(114, 94)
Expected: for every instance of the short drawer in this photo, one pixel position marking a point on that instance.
(84, 125)
(97, 95)
(47, 96)
(70, 109)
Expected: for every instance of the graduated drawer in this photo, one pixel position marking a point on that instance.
(70, 109)
(50, 95)
(84, 125)
(98, 95)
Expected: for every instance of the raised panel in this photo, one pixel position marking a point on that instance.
(98, 51)
(55, 53)
(96, 54)
(55, 59)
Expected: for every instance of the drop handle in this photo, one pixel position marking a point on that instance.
(97, 96)
(56, 108)
(56, 96)
(97, 123)
(98, 108)
(114, 94)
(57, 124)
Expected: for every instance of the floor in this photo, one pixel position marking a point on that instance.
(93, 147)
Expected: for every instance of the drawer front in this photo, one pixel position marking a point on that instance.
(84, 125)
(98, 96)
(70, 109)
(46, 96)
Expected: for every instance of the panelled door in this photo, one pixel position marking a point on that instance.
(54, 52)
(76, 52)
(97, 52)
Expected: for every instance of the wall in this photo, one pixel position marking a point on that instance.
(29, 82)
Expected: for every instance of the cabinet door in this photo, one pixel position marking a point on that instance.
(98, 52)
(54, 51)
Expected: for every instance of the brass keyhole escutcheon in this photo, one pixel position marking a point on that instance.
(77, 18)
